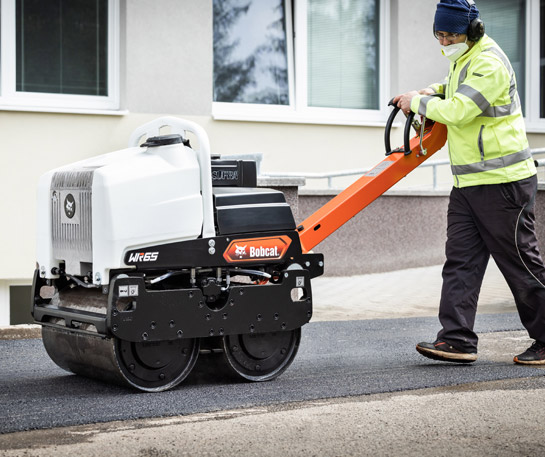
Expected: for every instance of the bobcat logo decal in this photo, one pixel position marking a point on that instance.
(240, 251)
(266, 249)
(69, 206)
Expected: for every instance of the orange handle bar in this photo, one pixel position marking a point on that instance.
(397, 164)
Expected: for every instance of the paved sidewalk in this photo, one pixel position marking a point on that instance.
(404, 293)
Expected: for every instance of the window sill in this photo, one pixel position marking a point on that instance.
(280, 114)
(41, 109)
(301, 120)
(535, 127)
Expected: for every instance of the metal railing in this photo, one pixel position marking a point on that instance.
(433, 164)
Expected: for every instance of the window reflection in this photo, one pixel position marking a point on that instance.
(250, 56)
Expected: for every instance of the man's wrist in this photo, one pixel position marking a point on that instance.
(415, 103)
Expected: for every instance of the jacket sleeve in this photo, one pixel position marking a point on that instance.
(439, 88)
(487, 82)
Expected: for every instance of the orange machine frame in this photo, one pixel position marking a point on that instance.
(368, 188)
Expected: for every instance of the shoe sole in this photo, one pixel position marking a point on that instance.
(529, 362)
(446, 356)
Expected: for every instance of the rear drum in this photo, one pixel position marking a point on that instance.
(261, 356)
(147, 366)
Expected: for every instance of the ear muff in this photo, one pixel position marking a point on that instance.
(475, 31)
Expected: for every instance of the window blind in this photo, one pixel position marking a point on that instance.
(343, 53)
(62, 46)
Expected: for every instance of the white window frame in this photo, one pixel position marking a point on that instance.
(10, 99)
(534, 124)
(298, 111)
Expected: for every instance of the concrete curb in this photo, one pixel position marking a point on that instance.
(17, 332)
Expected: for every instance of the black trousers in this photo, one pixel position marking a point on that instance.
(495, 220)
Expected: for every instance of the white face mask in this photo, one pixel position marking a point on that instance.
(454, 51)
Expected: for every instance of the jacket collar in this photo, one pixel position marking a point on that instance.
(484, 43)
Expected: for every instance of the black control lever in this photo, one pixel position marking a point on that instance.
(388, 128)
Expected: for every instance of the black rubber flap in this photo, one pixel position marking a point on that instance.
(229, 196)
(163, 140)
(246, 210)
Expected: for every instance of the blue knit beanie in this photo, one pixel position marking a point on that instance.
(454, 16)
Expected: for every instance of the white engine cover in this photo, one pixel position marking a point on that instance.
(139, 197)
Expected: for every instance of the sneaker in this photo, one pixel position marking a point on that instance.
(440, 350)
(534, 355)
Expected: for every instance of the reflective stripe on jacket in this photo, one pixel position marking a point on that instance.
(486, 132)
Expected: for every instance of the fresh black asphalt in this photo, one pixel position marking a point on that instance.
(336, 359)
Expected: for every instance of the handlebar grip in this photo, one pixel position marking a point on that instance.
(407, 130)
(407, 133)
(390, 122)
(388, 128)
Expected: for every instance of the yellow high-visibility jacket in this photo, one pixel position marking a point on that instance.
(486, 133)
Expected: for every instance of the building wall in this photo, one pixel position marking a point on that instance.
(166, 69)
(169, 52)
(416, 56)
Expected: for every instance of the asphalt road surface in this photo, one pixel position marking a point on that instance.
(336, 359)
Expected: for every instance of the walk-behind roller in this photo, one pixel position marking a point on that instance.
(153, 255)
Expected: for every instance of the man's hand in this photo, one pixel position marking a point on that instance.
(403, 101)
(426, 91)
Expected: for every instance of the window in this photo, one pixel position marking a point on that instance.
(343, 62)
(505, 22)
(307, 61)
(59, 54)
(518, 27)
(250, 52)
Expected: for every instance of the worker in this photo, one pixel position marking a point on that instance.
(491, 205)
